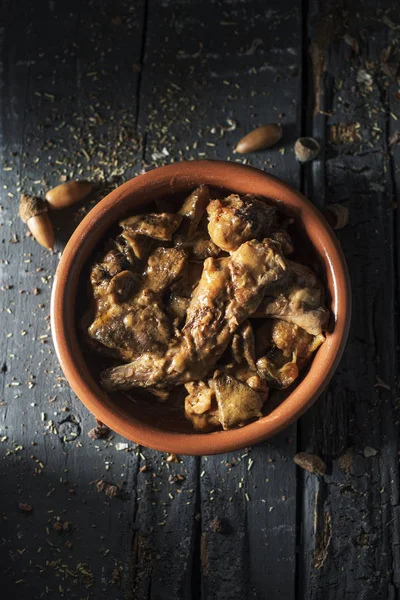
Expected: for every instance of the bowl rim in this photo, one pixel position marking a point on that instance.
(63, 313)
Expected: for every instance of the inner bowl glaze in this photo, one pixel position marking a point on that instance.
(143, 424)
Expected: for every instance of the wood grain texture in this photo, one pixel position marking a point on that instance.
(103, 90)
(355, 426)
(213, 70)
(204, 72)
(48, 51)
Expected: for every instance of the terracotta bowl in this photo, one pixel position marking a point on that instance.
(150, 423)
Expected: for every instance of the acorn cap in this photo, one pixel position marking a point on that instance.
(306, 149)
(31, 206)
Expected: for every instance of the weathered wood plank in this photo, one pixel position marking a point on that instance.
(355, 426)
(195, 86)
(54, 107)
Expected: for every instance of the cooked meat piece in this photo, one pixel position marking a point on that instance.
(133, 252)
(247, 375)
(277, 377)
(198, 246)
(285, 241)
(166, 269)
(196, 243)
(297, 298)
(122, 286)
(130, 316)
(200, 406)
(234, 220)
(138, 246)
(237, 402)
(176, 308)
(294, 341)
(102, 272)
(292, 348)
(193, 209)
(229, 291)
(243, 347)
(132, 327)
(160, 226)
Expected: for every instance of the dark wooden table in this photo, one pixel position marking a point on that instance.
(104, 90)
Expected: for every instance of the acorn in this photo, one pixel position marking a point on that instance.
(67, 194)
(306, 149)
(260, 138)
(33, 212)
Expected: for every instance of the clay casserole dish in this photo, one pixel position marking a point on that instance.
(149, 426)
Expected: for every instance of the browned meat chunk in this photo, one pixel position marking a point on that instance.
(225, 401)
(291, 349)
(297, 298)
(229, 291)
(122, 286)
(102, 273)
(277, 377)
(282, 236)
(234, 220)
(166, 269)
(138, 246)
(160, 226)
(200, 406)
(130, 317)
(133, 327)
(198, 246)
(176, 308)
(193, 209)
(237, 402)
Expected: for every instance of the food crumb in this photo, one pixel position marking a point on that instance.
(109, 489)
(172, 458)
(369, 452)
(310, 462)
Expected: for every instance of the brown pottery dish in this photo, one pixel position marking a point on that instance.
(153, 424)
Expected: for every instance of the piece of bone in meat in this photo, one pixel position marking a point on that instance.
(229, 291)
(235, 219)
